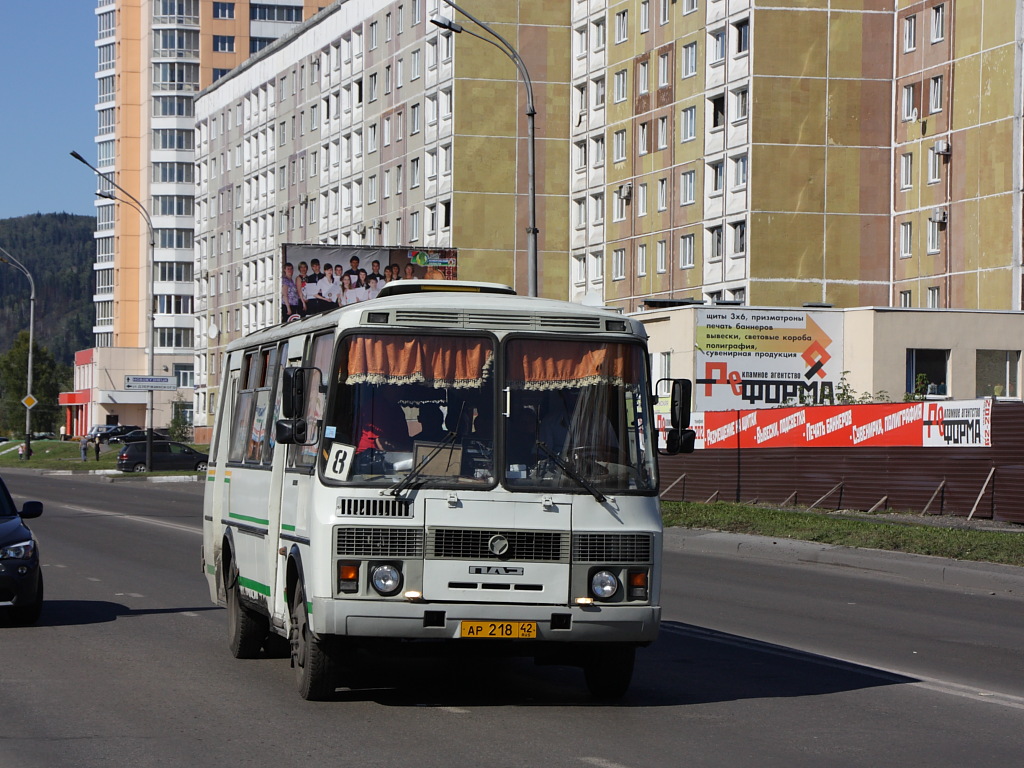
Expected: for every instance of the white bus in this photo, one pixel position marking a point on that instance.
(445, 462)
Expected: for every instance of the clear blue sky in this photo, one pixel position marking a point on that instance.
(48, 100)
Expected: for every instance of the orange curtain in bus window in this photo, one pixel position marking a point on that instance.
(563, 364)
(435, 361)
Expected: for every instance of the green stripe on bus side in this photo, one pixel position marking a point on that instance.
(290, 528)
(309, 606)
(248, 519)
(263, 589)
(211, 569)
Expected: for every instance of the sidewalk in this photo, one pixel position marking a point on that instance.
(1006, 580)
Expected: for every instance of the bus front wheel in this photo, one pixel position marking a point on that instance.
(311, 658)
(246, 629)
(608, 669)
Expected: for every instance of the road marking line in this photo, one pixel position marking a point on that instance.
(837, 662)
(123, 516)
(600, 762)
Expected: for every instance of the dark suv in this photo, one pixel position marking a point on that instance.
(120, 429)
(21, 580)
(166, 455)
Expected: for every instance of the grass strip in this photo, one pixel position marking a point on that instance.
(956, 543)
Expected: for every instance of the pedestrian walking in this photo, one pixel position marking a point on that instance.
(96, 445)
(21, 452)
(83, 446)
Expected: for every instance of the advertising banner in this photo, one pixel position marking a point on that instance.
(319, 278)
(750, 358)
(939, 424)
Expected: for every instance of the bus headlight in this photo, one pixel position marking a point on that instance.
(386, 578)
(603, 584)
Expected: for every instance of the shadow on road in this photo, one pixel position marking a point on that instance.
(687, 665)
(70, 613)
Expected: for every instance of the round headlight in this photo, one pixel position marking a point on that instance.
(603, 585)
(386, 579)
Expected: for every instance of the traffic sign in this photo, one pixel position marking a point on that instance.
(28, 401)
(133, 383)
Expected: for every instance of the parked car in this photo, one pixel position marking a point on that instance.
(118, 431)
(137, 435)
(166, 455)
(21, 579)
(44, 436)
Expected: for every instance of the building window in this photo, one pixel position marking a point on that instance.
(618, 207)
(641, 260)
(641, 77)
(739, 172)
(909, 34)
(935, 94)
(906, 299)
(685, 251)
(906, 240)
(597, 87)
(619, 86)
(740, 103)
(938, 23)
(621, 26)
(598, 36)
(643, 139)
(645, 16)
(907, 170)
(687, 187)
(619, 146)
(661, 256)
(662, 132)
(689, 60)
(716, 46)
(641, 200)
(224, 43)
(909, 103)
(933, 236)
(717, 104)
(596, 269)
(663, 11)
(663, 70)
(716, 175)
(715, 243)
(996, 372)
(741, 30)
(933, 297)
(688, 124)
(739, 238)
(934, 166)
(597, 208)
(689, 6)
(618, 264)
(662, 194)
(580, 206)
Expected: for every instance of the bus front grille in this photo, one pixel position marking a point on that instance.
(471, 544)
(372, 508)
(611, 548)
(384, 541)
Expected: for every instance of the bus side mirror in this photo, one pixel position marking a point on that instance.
(682, 394)
(678, 441)
(293, 396)
(291, 431)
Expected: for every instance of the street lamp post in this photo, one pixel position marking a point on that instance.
(8, 259)
(506, 48)
(151, 341)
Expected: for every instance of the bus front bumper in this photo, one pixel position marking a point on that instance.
(444, 621)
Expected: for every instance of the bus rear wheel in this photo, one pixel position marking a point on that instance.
(608, 669)
(315, 669)
(246, 629)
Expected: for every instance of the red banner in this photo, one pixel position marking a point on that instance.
(965, 423)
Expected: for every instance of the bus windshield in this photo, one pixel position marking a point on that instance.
(434, 409)
(577, 416)
(405, 401)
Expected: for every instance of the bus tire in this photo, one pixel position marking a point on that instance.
(608, 670)
(311, 658)
(247, 629)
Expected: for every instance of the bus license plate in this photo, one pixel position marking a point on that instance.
(519, 630)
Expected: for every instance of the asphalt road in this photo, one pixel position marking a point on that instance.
(761, 662)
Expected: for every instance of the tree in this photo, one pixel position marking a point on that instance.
(48, 380)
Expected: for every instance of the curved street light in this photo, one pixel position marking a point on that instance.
(6, 258)
(151, 341)
(506, 48)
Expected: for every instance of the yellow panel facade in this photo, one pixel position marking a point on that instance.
(797, 182)
(787, 110)
(792, 43)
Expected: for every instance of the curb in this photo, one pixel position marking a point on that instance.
(989, 577)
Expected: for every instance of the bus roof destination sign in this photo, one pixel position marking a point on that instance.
(134, 383)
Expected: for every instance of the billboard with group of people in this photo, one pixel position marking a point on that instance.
(319, 278)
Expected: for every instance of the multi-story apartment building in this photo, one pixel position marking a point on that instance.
(371, 126)
(153, 56)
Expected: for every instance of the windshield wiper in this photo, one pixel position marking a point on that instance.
(415, 472)
(571, 472)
